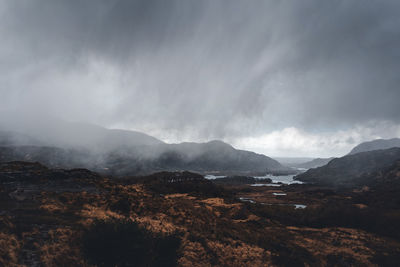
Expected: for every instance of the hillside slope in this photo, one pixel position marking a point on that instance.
(375, 145)
(117, 159)
(348, 170)
(315, 163)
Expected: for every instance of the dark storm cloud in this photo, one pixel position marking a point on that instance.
(203, 69)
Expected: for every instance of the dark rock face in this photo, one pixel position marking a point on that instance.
(375, 145)
(351, 170)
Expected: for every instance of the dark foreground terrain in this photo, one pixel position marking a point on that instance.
(54, 217)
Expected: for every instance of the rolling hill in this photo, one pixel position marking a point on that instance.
(121, 152)
(375, 145)
(350, 170)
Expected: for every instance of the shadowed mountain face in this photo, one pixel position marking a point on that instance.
(117, 152)
(195, 157)
(351, 169)
(375, 145)
(217, 156)
(385, 187)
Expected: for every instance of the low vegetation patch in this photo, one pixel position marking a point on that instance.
(125, 243)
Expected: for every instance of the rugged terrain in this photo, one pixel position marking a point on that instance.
(56, 217)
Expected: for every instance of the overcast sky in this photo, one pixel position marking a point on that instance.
(283, 78)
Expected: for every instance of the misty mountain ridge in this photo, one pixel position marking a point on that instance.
(14, 138)
(375, 145)
(122, 152)
(78, 135)
(315, 163)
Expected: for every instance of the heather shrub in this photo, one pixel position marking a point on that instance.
(125, 243)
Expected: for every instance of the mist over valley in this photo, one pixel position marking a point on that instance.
(199, 133)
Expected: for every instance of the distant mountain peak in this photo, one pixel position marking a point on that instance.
(349, 170)
(216, 141)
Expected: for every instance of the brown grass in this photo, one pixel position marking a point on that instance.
(9, 249)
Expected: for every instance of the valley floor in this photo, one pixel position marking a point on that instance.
(77, 218)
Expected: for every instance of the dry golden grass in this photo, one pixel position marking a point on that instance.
(193, 254)
(251, 217)
(240, 254)
(214, 231)
(9, 250)
(91, 213)
(62, 249)
(185, 195)
(336, 241)
(219, 202)
(158, 223)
